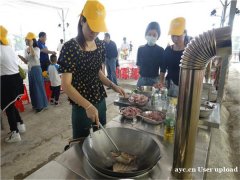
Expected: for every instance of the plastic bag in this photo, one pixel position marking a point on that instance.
(22, 72)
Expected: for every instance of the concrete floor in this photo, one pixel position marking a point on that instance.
(47, 134)
(49, 131)
(225, 142)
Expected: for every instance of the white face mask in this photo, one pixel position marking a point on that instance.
(151, 40)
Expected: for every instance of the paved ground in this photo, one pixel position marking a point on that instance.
(225, 145)
(47, 134)
(49, 131)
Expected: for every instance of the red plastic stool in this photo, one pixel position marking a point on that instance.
(124, 73)
(47, 85)
(135, 73)
(19, 105)
(25, 96)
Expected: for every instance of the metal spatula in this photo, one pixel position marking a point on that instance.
(109, 137)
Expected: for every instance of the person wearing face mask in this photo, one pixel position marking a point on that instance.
(80, 62)
(172, 56)
(150, 57)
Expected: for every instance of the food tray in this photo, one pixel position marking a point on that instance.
(132, 100)
(129, 108)
(148, 120)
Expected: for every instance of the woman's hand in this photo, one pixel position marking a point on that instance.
(119, 90)
(73, 94)
(22, 58)
(92, 113)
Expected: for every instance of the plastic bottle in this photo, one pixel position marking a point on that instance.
(154, 98)
(164, 92)
(164, 99)
(170, 121)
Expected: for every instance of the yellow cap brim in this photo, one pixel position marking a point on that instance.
(4, 41)
(97, 25)
(176, 32)
(28, 38)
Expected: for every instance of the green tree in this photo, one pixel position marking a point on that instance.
(19, 43)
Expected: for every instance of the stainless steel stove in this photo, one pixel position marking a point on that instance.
(74, 160)
(72, 164)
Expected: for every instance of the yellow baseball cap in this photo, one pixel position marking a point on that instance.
(95, 14)
(3, 35)
(30, 36)
(177, 26)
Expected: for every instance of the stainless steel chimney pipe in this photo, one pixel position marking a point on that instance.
(195, 58)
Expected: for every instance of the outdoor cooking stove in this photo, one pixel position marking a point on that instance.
(75, 161)
(72, 164)
(192, 143)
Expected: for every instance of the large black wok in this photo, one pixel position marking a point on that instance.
(97, 150)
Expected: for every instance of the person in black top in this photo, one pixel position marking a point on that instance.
(150, 57)
(80, 62)
(111, 58)
(172, 56)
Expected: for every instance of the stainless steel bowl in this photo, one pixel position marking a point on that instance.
(133, 101)
(145, 118)
(129, 107)
(205, 111)
(213, 96)
(146, 90)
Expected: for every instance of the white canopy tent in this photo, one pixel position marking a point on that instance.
(127, 18)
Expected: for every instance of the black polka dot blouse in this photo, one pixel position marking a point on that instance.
(84, 66)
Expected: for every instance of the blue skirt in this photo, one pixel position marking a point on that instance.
(36, 88)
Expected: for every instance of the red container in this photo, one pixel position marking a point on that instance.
(47, 85)
(134, 73)
(124, 73)
(25, 96)
(19, 105)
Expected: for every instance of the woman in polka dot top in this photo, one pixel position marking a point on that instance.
(80, 62)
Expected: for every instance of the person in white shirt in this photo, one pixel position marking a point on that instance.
(11, 87)
(125, 48)
(54, 79)
(36, 83)
(60, 45)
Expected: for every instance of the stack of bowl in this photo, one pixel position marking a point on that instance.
(206, 110)
(146, 90)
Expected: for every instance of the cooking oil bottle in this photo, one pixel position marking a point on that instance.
(170, 122)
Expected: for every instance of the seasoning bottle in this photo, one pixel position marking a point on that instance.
(154, 98)
(170, 121)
